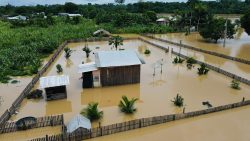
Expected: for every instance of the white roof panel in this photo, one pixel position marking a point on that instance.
(53, 81)
(87, 67)
(117, 58)
(77, 122)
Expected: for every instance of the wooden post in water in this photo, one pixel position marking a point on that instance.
(243, 99)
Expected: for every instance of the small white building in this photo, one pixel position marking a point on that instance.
(78, 122)
(161, 21)
(70, 15)
(19, 17)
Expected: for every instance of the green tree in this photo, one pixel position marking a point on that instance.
(68, 52)
(245, 22)
(116, 41)
(92, 112)
(200, 14)
(87, 50)
(214, 29)
(126, 105)
(151, 15)
(70, 7)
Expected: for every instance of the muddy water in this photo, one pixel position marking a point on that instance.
(9, 92)
(234, 67)
(154, 93)
(30, 134)
(238, 47)
(224, 126)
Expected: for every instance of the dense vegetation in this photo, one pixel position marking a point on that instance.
(21, 49)
(91, 11)
(245, 22)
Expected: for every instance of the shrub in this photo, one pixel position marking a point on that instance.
(178, 101)
(92, 112)
(59, 68)
(147, 51)
(178, 60)
(203, 69)
(36, 94)
(127, 106)
(235, 84)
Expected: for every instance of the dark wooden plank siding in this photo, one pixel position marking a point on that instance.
(120, 75)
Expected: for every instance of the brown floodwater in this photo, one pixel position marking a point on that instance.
(237, 47)
(30, 134)
(232, 125)
(154, 93)
(234, 67)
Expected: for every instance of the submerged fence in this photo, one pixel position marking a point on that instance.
(12, 110)
(201, 50)
(219, 70)
(40, 122)
(82, 134)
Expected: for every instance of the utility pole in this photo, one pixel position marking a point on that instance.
(225, 34)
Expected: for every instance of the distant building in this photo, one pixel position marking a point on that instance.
(112, 68)
(161, 21)
(101, 33)
(70, 15)
(55, 86)
(19, 17)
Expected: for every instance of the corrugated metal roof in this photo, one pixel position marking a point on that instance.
(87, 67)
(116, 58)
(77, 122)
(53, 81)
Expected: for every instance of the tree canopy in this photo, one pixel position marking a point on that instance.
(214, 29)
(245, 22)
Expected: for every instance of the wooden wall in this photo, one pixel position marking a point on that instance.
(120, 75)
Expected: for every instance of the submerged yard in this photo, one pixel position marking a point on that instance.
(154, 93)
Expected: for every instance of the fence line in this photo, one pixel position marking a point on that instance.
(219, 70)
(40, 122)
(9, 112)
(201, 50)
(83, 134)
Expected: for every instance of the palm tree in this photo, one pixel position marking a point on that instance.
(116, 41)
(87, 50)
(92, 112)
(127, 106)
(178, 101)
(68, 52)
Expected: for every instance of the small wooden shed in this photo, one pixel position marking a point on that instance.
(55, 86)
(113, 68)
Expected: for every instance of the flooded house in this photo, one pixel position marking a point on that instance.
(101, 33)
(112, 68)
(55, 86)
(161, 21)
